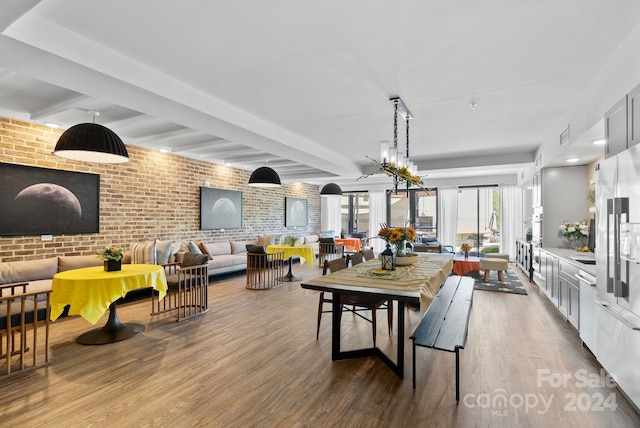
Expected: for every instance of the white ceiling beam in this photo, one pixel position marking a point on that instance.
(74, 103)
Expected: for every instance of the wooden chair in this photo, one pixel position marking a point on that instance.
(264, 270)
(422, 248)
(357, 303)
(328, 249)
(354, 259)
(23, 316)
(367, 253)
(187, 292)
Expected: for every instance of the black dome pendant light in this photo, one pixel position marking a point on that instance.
(331, 189)
(91, 142)
(264, 177)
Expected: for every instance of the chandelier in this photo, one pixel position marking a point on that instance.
(393, 163)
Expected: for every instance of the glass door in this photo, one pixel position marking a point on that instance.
(478, 218)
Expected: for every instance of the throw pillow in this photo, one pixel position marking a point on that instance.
(163, 251)
(265, 240)
(327, 234)
(194, 248)
(194, 259)
(202, 247)
(143, 253)
(256, 249)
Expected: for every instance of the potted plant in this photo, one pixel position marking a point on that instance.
(291, 240)
(112, 257)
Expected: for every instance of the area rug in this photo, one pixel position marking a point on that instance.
(511, 282)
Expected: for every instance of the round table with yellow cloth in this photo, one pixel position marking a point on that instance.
(90, 291)
(305, 252)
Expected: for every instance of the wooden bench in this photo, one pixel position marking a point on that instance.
(445, 324)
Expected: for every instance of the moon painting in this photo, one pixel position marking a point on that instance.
(40, 201)
(295, 212)
(220, 209)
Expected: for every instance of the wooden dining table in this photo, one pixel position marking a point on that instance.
(415, 284)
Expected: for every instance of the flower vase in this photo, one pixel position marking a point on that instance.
(112, 265)
(466, 254)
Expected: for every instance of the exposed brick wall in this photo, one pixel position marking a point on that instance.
(156, 195)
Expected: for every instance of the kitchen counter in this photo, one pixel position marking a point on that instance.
(570, 255)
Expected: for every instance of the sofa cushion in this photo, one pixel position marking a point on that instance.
(218, 248)
(240, 247)
(194, 248)
(66, 263)
(40, 285)
(173, 253)
(163, 251)
(265, 240)
(28, 270)
(219, 262)
(310, 239)
(255, 249)
(193, 259)
(143, 253)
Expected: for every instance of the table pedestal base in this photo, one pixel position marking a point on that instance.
(290, 277)
(112, 331)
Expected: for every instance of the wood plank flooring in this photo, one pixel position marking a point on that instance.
(253, 360)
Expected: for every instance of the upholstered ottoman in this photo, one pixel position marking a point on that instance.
(498, 264)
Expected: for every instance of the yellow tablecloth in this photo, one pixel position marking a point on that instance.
(90, 291)
(426, 277)
(305, 252)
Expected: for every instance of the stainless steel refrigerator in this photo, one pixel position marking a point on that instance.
(618, 270)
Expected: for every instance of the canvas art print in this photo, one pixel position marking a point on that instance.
(41, 201)
(220, 209)
(295, 212)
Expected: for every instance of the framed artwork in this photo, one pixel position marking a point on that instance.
(220, 209)
(41, 201)
(295, 212)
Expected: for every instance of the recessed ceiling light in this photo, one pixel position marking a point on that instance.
(573, 160)
(52, 125)
(601, 142)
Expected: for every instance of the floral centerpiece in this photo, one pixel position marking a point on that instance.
(576, 233)
(465, 248)
(112, 257)
(398, 236)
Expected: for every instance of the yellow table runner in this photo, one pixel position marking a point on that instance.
(305, 252)
(90, 291)
(425, 276)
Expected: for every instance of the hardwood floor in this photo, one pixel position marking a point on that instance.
(253, 360)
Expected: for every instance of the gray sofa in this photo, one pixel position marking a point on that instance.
(39, 273)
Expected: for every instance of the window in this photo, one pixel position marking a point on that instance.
(478, 217)
(419, 209)
(355, 213)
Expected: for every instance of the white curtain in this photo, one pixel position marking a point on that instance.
(448, 215)
(330, 215)
(377, 215)
(511, 218)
